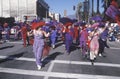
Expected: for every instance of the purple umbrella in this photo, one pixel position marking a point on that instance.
(95, 25)
(49, 24)
(74, 20)
(81, 23)
(112, 11)
(64, 20)
(97, 18)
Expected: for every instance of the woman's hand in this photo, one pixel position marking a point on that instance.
(46, 34)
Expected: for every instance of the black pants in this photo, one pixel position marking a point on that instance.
(101, 46)
(28, 40)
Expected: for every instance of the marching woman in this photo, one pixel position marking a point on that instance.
(38, 44)
(7, 32)
(53, 36)
(83, 40)
(94, 45)
(68, 37)
(76, 33)
(24, 34)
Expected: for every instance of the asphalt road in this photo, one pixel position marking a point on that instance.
(17, 62)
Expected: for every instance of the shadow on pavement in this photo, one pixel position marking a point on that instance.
(5, 47)
(59, 44)
(50, 58)
(12, 57)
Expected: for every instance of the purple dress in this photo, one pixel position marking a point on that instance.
(38, 47)
(83, 38)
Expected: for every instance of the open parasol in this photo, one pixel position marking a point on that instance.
(65, 20)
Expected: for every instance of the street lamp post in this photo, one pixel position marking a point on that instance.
(1, 8)
(46, 15)
(27, 6)
(18, 10)
(79, 7)
(10, 7)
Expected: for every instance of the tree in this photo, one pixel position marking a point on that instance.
(79, 11)
(92, 7)
(98, 1)
(106, 4)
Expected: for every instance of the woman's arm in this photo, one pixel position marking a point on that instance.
(34, 32)
(46, 34)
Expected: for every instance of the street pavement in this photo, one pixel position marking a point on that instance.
(17, 62)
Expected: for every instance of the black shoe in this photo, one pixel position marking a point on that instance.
(94, 58)
(92, 62)
(103, 55)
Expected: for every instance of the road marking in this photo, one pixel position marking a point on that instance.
(15, 58)
(87, 63)
(16, 42)
(55, 74)
(63, 61)
(114, 48)
(49, 69)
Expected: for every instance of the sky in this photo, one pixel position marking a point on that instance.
(58, 6)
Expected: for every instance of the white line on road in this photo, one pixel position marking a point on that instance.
(87, 63)
(55, 74)
(18, 42)
(15, 58)
(64, 61)
(114, 48)
(49, 69)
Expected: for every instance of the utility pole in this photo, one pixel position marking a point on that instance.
(10, 8)
(17, 10)
(46, 15)
(65, 13)
(27, 6)
(1, 8)
(79, 7)
(86, 10)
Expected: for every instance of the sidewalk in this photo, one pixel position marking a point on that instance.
(114, 44)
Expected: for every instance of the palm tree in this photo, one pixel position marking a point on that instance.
(98, 12)
(79, 11)
(92, 7)
(106, 4)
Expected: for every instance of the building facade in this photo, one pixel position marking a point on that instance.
(42, 9)
(23, 9)
(55, 16)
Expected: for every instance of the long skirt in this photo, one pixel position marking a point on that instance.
(94, 47)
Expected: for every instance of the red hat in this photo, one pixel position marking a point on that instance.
(36, 25)
(33, 25)
(68, 24)
(114, 3)
(41, 23)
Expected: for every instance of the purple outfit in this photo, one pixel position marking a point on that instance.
(83, 41)
(53, 37)
(68, 41)
(1, 29)
(38, 48)
(83, 38)
(7, 34)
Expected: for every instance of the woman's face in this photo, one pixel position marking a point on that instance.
(69, 27)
